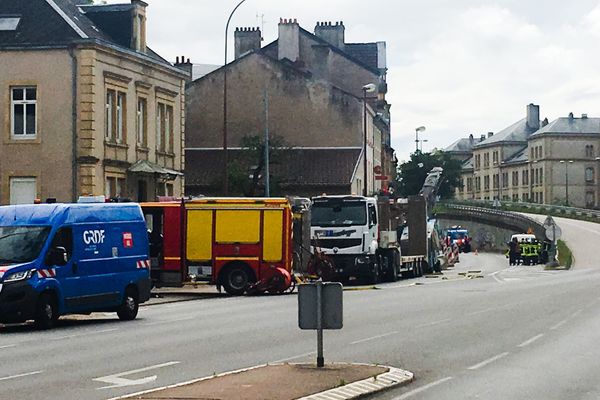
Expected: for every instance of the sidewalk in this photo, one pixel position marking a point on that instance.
(187, 292)
(285, 382)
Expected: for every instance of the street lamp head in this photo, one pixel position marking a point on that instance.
(420, 129)
(369, 88)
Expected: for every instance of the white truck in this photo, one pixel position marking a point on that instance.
(359, 234)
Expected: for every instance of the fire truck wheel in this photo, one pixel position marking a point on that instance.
(374, 276)
(237, 279)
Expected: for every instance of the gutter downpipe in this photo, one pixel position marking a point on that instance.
(74, 73)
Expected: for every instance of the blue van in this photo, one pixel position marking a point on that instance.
(58, 259)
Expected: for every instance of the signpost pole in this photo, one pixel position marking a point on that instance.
(320, 359)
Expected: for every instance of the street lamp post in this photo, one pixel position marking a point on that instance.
(369, 88)
(566, 179)
(419, 129)
(225, 150)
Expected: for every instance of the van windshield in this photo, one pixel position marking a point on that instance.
(339, 213)
(20, 244)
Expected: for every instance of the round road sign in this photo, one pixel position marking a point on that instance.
(553, 232)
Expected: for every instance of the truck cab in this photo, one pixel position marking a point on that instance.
(346, 228)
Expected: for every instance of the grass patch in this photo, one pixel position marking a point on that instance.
(565, 257)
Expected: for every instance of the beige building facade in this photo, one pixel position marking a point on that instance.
(85, 112)
(556, 164)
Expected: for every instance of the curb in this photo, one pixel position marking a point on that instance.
(394, 377)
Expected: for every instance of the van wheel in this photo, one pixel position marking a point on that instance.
(236, 280)
(129, 309)
(46, 312)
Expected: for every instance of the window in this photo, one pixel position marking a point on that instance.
(541, 181)
(505, 179)
(23, 110)
(486, 182)
(169, 187)
(525, 177)
(116, 116)
(515, 178)
(23, 190)
(164, 128)
(541, 198)
(590, 199)
(9, 22)
(478, 184)
(114, 187)
(540, 155)
(531, 150)
(589, 151)
(477, 161)
(495, 181)
(469, 184)
(486, 160)
(64, 238)
(142, 124)
(495, 157)
(589, 175)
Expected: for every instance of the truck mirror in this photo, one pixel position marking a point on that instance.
(57, 256)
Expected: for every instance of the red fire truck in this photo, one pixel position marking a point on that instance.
(241, 244)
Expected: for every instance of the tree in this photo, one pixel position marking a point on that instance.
(246, 170)
(411, 174)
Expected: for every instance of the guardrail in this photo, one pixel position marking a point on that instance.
(584, 214)
(506, 218)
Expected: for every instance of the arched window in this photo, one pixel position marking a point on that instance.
(589, 174)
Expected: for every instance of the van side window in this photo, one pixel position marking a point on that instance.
(64, 238)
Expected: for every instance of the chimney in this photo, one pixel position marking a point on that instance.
(570, 115)
(138, 25)
(544, 122)
(332, 34)
(533, 117)
(471, 139)
(583, 116)
(490, 134)
(246, 40)
(288, 43)
(185, 66)
(482, 138)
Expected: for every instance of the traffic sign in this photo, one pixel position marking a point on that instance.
(553, 232)
(549, 221)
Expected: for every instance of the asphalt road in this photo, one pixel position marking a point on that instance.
(516, 333)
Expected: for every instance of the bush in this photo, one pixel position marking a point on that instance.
(565, 257)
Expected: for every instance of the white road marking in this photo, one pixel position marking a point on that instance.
(561, 323)
(20, 375)
(422, 388)
(433, 323)
(488, 361)
(576, 313)
(84, 334)
(117, 380)
(294, 357)
(168, 320)
(529, 341)
(374, 337)
(8, 346)
(485, 310)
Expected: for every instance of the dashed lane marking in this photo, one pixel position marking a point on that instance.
(84, 334)
(20, 375)
(561, 323)
(294, 357)
(8, 346)
(531, 340)
(374, 337)
(441, 321)
(488, 361)
(422, 388)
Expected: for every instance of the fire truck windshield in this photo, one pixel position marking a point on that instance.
(339, 213)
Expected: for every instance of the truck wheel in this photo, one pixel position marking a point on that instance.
(129, 309)
(46, 312)
(236, 280)
(392, 270)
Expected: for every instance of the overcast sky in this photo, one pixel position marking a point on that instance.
(455, 66)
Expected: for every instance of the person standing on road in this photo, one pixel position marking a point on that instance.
(513, 247)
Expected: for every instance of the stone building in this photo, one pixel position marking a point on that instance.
(539, 162)
(314, 85)
(87, 107)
